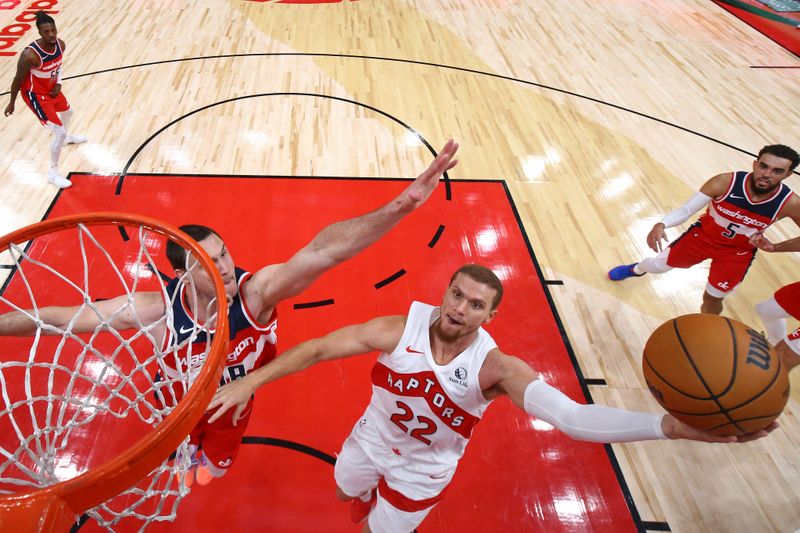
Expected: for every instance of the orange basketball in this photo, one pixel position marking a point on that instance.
(715, 374)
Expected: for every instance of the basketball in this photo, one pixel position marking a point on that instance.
(715, 374)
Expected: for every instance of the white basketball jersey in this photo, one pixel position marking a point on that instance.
(422, 411)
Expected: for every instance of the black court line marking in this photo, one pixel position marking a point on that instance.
(426, 64)
(318, 303)
(8, 267)
(391, 278)
(656, 526)
(582, 381)
(290, 445)
(436, 236)
(264, 441)
(596, 381)
(259, 95)
(553, 282)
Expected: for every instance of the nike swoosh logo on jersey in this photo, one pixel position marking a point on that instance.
(737, 197)
(742, 253)
(439, 476)
(185, 331)
(409, 349)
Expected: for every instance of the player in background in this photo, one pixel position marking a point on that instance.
(437, 372)
(38, 80)
(740, 204)
(783, 304)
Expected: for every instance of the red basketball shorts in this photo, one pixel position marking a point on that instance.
(45, 107)
(221, 440)
(728, 264)
(788, 297)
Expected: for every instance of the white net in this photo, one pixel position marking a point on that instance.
(73, 400)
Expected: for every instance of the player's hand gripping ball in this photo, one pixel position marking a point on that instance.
(715, 374)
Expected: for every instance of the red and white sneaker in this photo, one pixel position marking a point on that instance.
(359, 509)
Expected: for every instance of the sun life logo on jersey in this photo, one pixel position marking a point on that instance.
(459, 376)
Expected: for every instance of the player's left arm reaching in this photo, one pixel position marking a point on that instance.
(342, 240)
(790, 210)
(380, 334)
(503, 374)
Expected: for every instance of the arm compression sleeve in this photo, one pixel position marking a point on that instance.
(594, 423)
(682, 214)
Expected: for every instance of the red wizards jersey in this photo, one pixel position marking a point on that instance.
(41, 79)
(731, 219)
(251, 344)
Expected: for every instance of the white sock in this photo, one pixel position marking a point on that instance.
(774, 318)
(59, 134)
(653, 265)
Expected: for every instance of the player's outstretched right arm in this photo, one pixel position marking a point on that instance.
(503, 374)
(379, 334)
(27, 60)
(116, 312)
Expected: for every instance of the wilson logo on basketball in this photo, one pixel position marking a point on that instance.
(758, 351)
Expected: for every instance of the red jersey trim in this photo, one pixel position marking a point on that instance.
(783, 204)
(778, 190)
(425, 385)
(248, 315)
(730, 188)
(404, 503)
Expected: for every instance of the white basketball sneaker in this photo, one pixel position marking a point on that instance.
(75, 139)
(57, 179)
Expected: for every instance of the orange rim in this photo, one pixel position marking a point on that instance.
(47, 508)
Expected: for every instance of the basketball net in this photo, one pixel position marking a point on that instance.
(75, 402)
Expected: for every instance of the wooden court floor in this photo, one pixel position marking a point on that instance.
(600, 117)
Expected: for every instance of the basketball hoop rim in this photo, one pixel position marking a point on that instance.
(99, 484)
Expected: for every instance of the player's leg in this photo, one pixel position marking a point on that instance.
(65, 113)
(725, 274)
(54, 175)
(773, 316)
(220, 445)
(685, 251)
(712, 301)
(43, 107)
(783, 304)
(789, 350)
(356, 479)
(395, 511)
(654, 265)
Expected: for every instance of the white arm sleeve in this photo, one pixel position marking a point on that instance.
(682, 214)
(594, 423)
